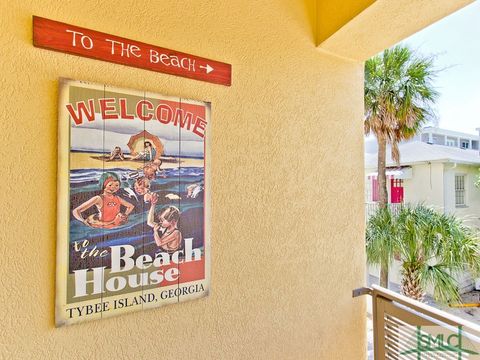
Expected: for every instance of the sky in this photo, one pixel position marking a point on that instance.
(455, 40)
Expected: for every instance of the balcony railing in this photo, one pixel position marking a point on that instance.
(407, 329)
(372, 207)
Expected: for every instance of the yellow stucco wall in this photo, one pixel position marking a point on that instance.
(333, 14)
(287, 163)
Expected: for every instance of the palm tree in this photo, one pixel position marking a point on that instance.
(381, 238)
(398, 99)
(432, 248)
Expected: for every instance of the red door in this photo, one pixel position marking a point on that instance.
(396, 191)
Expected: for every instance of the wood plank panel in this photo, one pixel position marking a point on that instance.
(75, 40)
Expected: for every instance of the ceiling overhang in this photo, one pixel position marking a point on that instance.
(360, 29)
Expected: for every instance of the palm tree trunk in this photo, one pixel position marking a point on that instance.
(411, 285)
(382, 196)
(382, 176)
(384, 276)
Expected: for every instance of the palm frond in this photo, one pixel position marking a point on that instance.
(445, 288)
(381, 242)
(399, 95)
(432, 247)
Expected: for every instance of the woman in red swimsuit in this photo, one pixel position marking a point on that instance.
(108, 205)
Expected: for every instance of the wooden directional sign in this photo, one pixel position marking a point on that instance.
(54, 35)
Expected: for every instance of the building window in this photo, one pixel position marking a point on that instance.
(464, 144)
(459, 190)
(450, 142)
(474, 145)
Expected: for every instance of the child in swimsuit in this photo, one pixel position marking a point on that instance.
(116, 153)
(139, 193)
(108, 206)
(167, 236)
(149, 153)
(151, 170)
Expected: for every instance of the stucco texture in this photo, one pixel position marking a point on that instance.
(384, 23)
(287, 180)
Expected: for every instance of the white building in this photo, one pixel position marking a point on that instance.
(440, 176)
(438, 136)
(436, 175)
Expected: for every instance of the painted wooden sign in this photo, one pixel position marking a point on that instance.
(133, 201)
(58, 36)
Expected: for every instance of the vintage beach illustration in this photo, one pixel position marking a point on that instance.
(133, 204)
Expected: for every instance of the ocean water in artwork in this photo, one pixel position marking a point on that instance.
(181, 187)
